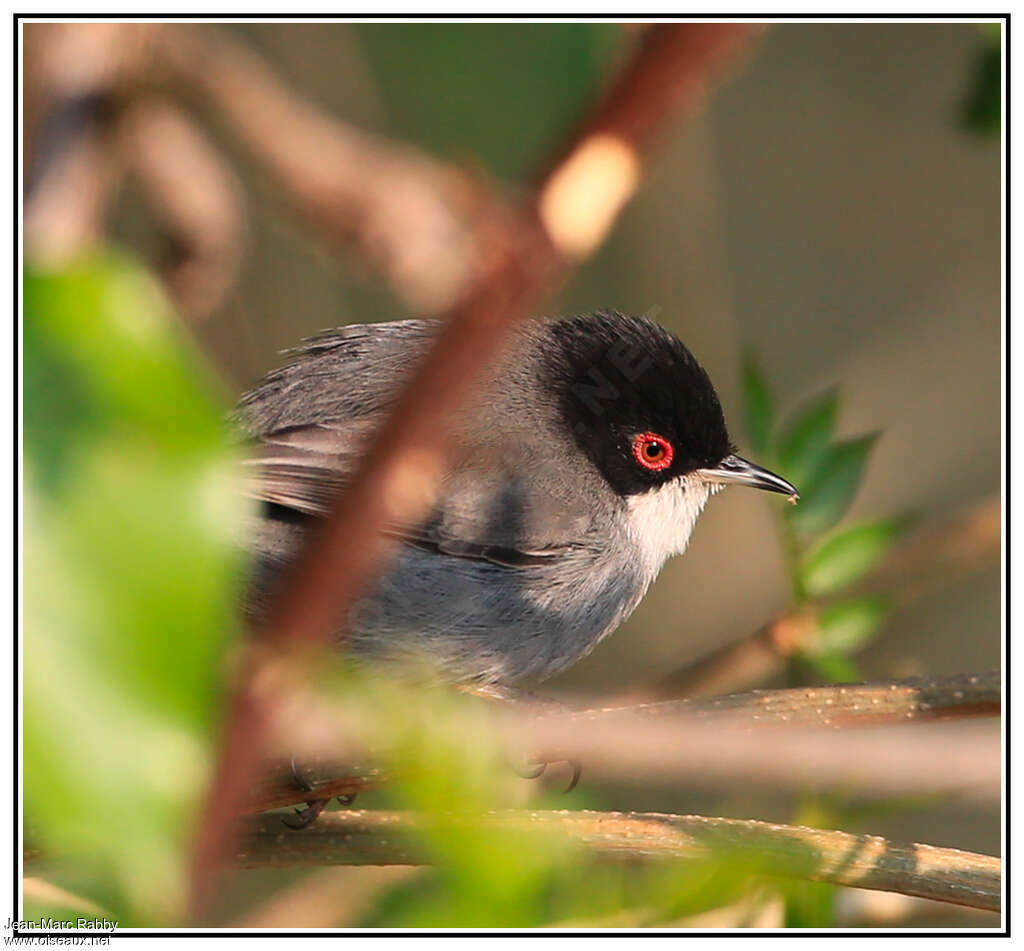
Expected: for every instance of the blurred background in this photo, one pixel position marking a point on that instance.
(833, 212)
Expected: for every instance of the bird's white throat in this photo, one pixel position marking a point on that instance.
(660, 521)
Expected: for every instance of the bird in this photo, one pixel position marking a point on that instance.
(577, 468)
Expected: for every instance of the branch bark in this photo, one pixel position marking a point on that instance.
(892, 701)
(858, 861)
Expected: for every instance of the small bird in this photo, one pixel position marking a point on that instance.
(579, 467)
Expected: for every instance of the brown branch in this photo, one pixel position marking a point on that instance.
(858, 861)
(87, 126)
(959, 548)
(956, 549)
(410, 217)
(915, 698)
(195, 198)
(398, 479)
(606, 156)
(779, 738)
(74, 74)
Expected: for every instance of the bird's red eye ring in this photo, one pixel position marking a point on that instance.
(652, 451)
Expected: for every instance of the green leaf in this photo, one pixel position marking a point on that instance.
(758, 406)
(849, 625)
(824, 500)
(810, 905)
(834, 668)
(804, 442)
(982, 109)
(131, 572)
(841, 559)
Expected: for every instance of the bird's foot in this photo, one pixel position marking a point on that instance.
(306, 817)
(577, 772)
(502, 693)
(536, 770)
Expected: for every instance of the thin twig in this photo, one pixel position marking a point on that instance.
(859, 861)
(399, 477)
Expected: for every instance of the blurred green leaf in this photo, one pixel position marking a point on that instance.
(824, 500)
(983, 104)
(809, 905)
(834, 668)
(758, 406)
(131, 573)
(849, 625)
(449, 769)
(803, 443)
(843, 558)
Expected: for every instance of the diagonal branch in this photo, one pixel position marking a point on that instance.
(523, 257)
(859, 861)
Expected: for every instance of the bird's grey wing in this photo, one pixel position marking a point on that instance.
(336, 377)
(485, 511)
(312, 419)
(302, 468)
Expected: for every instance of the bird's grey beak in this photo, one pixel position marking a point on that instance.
(734, 470)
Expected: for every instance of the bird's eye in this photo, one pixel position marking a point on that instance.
(652, 451)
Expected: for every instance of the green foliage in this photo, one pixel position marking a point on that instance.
(982, 110)
(442, 751)
(828, 473)
(830, 489)
(809, 905)
(130, 575)
(848, 625)
(804, 443)
(846, 556)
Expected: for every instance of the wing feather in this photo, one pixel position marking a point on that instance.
(312, 420)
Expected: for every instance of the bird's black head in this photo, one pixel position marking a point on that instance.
(635, 399)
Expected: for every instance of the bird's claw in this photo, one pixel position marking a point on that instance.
(536, 770)
(577, 772)
(530, 771)
(307, 816)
